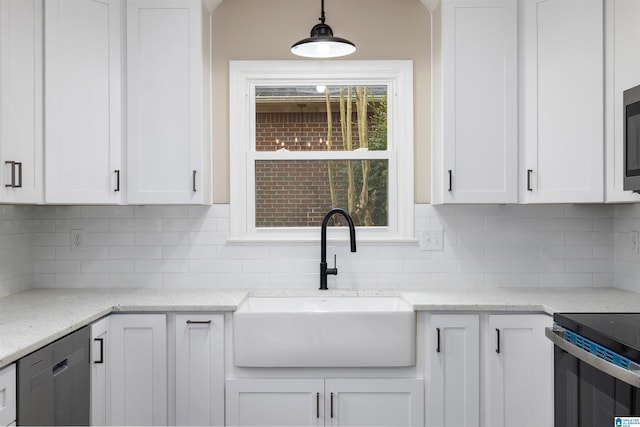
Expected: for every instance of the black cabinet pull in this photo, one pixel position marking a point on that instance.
(101, 341)
(331, 405)
(13, 174)
(14, 166)
(450, 181)
(194, 181)
(497, 340)
(317, 405)
(198, 322)
(117, 171)
(437, 340)
(19, 184)
(529, 172)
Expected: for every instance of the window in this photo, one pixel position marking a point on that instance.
(309, 136)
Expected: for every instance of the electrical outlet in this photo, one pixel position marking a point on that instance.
(77, 239)
(635, 244)
(432, 240)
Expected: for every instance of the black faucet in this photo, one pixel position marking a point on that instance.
(324, 271)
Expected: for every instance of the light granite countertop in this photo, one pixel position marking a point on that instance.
(34, 318)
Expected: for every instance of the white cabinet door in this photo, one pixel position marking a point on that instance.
(478, 143)
(563, 120)
(138, 353)
(453, 358)
(622, 72)
(100, 379)
(519, 376)
(374, 402)
(21, 101)
(8, 388)
(82, 101)
(200, 369)
(275, 402)
(168, 92)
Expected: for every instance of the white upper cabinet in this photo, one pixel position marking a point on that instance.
(83, 102)
(563, 99)
(475, 104)
(622, 72)
(168, 107)
(21, 101)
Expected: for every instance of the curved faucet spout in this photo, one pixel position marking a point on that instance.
(324, 271)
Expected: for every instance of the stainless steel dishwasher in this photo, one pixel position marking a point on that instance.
(54, 383)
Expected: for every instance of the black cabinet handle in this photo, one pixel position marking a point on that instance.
(450, 181)
(317, 405)
(117, 171)
(13, 173)
(101, 341)
(198, 322)
(19, 185)
(437, 340)
(529, 172)
(331, 405)
(497, 340)
(194, 181)
(14, 166)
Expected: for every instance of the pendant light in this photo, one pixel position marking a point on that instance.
(322, 43)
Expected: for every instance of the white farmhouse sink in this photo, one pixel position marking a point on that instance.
(324, 332)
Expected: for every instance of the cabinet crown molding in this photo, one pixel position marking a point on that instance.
(429, 4)
(212, 4)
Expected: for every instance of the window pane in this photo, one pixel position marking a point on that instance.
(298, 193)
(310, 118)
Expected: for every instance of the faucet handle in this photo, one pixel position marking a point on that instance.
(333, 270)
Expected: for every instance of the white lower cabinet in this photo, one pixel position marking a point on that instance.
(453, 360)
(275, 402)
(132, 369)
(130, 386)
(8, 389)
(519, 372)
(325, 402)
(200, 369)
(489, 370)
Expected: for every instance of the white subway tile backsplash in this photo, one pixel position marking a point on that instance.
(190, 252)
(161, 266)
(186, 246)
(215, 266)
(136, 280)
(135, 252)
(161, 212)
(88, 225)
(135, 225)
(107, 266)
(107, 212)
(161, 238)
(566, 224)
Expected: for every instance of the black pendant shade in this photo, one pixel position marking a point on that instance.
(322, 43)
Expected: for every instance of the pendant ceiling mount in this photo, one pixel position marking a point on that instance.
(322, 43)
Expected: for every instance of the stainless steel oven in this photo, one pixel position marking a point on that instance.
(596, 369)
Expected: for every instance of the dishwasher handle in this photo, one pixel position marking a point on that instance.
(631, 377)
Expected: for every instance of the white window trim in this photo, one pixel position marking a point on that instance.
(245, 75)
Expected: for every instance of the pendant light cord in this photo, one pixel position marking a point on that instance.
(322, 12)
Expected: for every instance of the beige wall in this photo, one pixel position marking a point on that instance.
(266, 29)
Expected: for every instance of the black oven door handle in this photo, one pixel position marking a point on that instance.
(632, 378)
